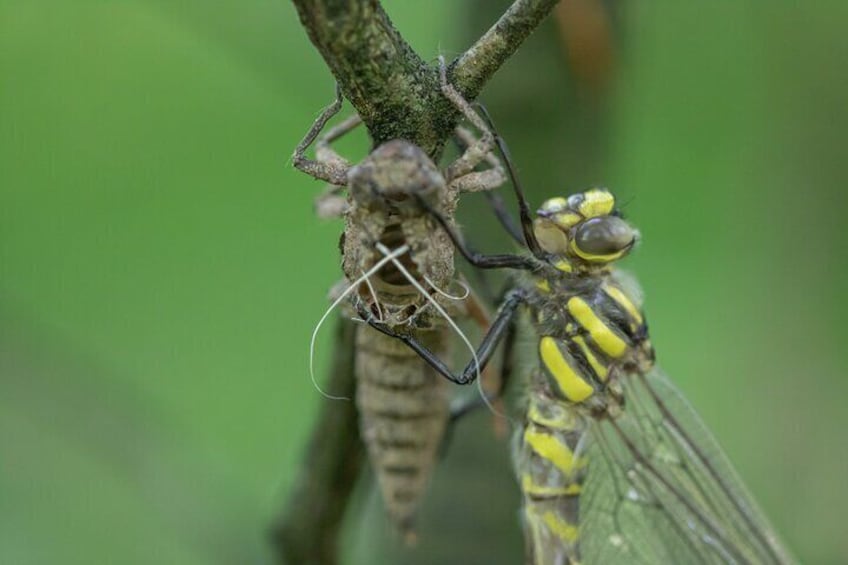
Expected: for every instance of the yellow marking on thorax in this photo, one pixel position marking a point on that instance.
(569, 381)
(528, 487)
(564, 266)
(596, 202)
(551, 449)
(624, 301)
(599, 368)
(543, 285)
(560, 528)
(601, 334)
(566, 422)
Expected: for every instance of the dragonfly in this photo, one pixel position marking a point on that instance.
(399, 268)
(613, 463)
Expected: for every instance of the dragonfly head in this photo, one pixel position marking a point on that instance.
(584, 229)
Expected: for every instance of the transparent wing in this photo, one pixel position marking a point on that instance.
(660, 490)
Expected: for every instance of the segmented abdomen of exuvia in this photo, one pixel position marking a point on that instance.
(404, 409)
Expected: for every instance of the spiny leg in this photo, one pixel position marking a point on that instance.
(501, 261)
(461, 409)
(477, 151)
(523, 206)
(477, 180)
(332, 203)
(464, 138)
(484, 352)
(498, 206)
(491, 378)
(332, 171)
(468, 405)
(324, 152)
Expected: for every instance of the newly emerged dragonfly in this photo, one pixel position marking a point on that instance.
(614, 464)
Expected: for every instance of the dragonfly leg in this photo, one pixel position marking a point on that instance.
(496, 332)
(466, 163)
(476, 151)
(501, 261)
(529, 239)
(469, 405)
(463, 138)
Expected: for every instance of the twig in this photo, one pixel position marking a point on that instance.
(307, 531)
(390, 86)
(473, 69)
(394, 90)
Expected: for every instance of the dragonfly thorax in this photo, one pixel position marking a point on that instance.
(589, 334)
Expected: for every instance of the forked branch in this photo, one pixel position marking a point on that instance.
(394, 90)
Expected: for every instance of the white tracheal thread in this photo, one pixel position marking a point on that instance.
(373, 293)
(353, 286)
(385, 251)
(464, 286)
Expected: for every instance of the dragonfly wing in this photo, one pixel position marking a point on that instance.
(716, 471)
(621, 521)
(660, 490)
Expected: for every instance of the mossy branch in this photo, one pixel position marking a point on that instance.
(394, 90)
(473, 69)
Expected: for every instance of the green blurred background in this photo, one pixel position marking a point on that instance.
(161, 270)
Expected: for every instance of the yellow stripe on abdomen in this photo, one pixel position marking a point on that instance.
(530, 488)
(551, 449)
(556, 418)
(560, 528)
(569, 380)
(606, 339)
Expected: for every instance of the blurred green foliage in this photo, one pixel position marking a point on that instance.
(161, 270)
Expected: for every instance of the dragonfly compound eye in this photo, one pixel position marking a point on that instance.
(603, 239)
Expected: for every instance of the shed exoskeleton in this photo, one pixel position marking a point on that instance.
(404, 405)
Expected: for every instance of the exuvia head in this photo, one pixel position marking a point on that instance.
(584, 229)
(393, 175)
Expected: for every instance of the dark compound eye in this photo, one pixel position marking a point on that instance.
(604, 236)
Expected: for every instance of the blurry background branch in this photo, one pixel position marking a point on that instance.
(398, 96)
(308, 531)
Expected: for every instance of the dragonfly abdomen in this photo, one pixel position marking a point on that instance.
(551, 469)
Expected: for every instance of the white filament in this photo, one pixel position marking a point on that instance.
(464, 286)
(377, 266)
(373, 293)
(385, 251)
